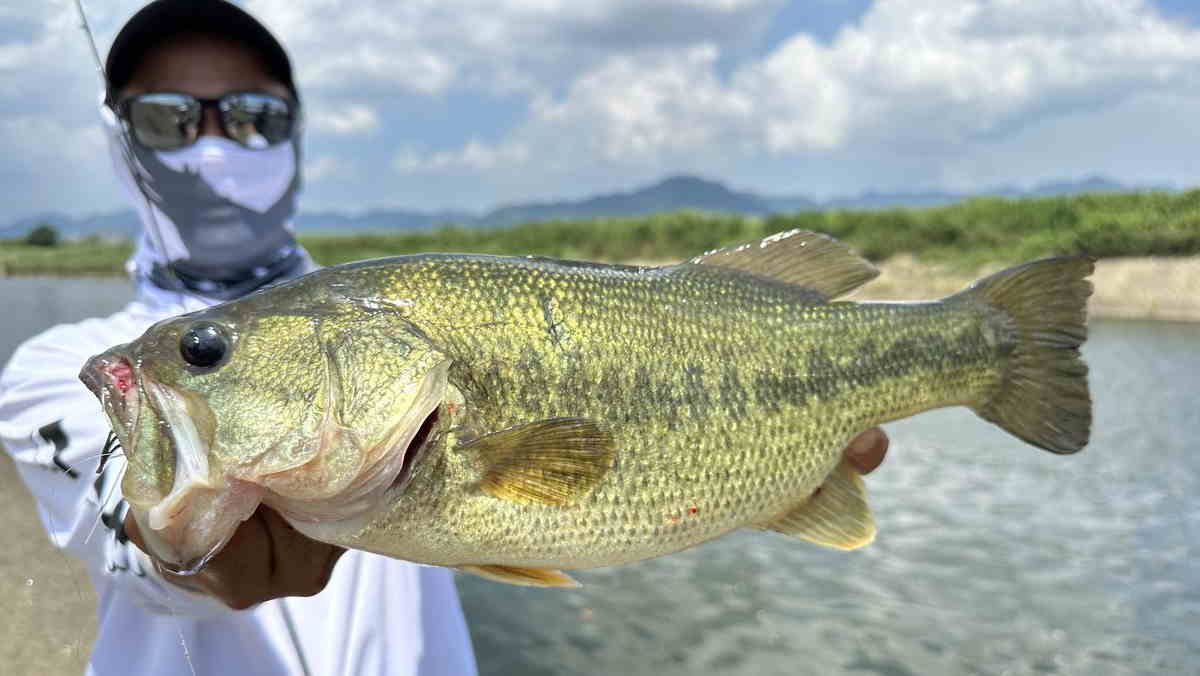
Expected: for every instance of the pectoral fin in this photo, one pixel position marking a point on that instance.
(837, 515)
(548, 462)
(527, 577)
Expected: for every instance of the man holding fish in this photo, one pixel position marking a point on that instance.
(203, 120)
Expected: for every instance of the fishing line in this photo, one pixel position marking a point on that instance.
(108, 493)
(187, 655)
(110, 445)
(112, 456)
(290, 625)
(155, 232)
(87, 30)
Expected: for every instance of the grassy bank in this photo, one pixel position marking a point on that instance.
(965, 235)
(970, 233)
(83, 258)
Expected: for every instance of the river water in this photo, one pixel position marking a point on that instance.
(992, 557)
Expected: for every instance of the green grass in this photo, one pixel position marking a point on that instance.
(90, 256)
(968, 233)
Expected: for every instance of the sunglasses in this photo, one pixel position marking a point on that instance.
(171, 121)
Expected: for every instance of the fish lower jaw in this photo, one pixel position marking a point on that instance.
(189, 527)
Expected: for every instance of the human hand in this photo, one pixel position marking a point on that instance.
(265, 559)
(866, 451)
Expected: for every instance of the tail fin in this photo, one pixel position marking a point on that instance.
(1043, 396)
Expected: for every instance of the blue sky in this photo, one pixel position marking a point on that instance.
(475, 103)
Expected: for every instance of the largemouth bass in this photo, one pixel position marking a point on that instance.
(518, 417)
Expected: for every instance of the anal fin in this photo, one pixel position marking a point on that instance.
(527, 577)
(836, 515)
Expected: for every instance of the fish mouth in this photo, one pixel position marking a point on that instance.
(112, 377)
(181, 542)
(200, 513)
(168, 521)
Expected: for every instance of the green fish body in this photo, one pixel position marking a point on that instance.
(516, 417)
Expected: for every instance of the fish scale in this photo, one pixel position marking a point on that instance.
(515, 416)
(679, 447)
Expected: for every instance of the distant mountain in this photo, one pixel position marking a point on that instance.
(1093, 184)
(124, 223)
(675, 192)
(378, 220)
(120, 224)
(882, 200)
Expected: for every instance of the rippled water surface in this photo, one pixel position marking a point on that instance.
(992, 558)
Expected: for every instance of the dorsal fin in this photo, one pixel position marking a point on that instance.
(808, 259)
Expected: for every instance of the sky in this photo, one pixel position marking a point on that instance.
(472, 104)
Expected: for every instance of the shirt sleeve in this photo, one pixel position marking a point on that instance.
(55, 431)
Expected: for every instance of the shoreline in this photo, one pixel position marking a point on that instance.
(1140, 287)
(1147, 288)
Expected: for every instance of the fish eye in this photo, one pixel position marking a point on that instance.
(203, 345)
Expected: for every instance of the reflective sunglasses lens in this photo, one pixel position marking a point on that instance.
(257, 120)
(164, 121)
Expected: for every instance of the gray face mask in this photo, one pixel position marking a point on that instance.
(217, 215)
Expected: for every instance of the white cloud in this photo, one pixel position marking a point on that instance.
(925, 77)
(948, 70)
(624, 111)
(54, 155)
(325, 167)
(33, 138)
(50, 164)
(430, 46)
(575, 97)
(353, 118)
(473, 156)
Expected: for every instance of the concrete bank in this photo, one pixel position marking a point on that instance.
(1126, 288)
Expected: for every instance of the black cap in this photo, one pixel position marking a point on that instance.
(163, 20)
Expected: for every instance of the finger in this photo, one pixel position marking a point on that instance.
(132, 532)
(240, 574)
(303, 566)
(867, 450)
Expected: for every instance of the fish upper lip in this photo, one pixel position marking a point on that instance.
(97, 375)
(91, 378)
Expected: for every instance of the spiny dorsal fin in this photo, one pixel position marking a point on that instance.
(837, 515)
(527, 577)
(548, 462)
(808, 259)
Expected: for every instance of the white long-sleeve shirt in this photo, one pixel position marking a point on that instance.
(376, 616)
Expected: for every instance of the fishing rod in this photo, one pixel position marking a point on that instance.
(87, 31)
(135, 171)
